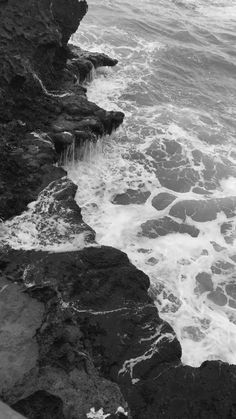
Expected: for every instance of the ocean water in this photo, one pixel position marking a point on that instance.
(163, 187)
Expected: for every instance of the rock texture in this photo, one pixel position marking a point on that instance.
(41, 92)
(80, 335)
(83, 314)
(7, 413)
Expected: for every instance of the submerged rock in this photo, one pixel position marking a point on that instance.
(131, 196)
(162, 200)
(204, 282)
(203, 211)
(166, 225)
(40, 404)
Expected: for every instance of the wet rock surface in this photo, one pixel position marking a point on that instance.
(94, 307)
(79, 331)
(43, 106)
(180, 170)
(131, 196)
(96, 324)
(162, 200)
(57, 368)
(185, 392)
(166, 225)
(203, 211)
(52, 222)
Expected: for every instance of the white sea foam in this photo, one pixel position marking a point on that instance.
(47, 225)
(172, 262)
(205, 322)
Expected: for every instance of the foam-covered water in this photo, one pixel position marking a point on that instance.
(163, 188)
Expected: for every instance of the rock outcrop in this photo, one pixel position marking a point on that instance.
(43, 105)
(80, 335)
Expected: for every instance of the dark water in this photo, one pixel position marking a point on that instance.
(163, 188)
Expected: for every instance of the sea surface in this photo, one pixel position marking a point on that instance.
(163, 187)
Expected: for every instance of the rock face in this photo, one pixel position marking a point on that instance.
(40, 92)
(87, 320)
(32, 35)
(82, 310)
(80, 335)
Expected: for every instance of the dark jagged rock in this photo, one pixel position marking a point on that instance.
(77, 330)
(182, 392)
(68, 15)
(32, 34)
(31, 407)
(83, 62)
(44, 354)
(27, 166)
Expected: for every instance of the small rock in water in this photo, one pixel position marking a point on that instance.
(204, 282)
(152, 261)
(231, 290)
(217, 247)
(162, 200)
(222, 266)
(232, 304)
(200, 191)
(131, 196)
(165, 226)
(218, 298)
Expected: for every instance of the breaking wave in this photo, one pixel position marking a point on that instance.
(162, 188)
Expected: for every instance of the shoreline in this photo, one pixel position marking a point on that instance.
(74, 324)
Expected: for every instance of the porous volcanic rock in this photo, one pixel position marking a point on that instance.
(162, 200)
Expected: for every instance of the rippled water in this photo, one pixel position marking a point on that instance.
(163, 188)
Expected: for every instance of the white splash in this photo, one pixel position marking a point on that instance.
(121, 410)
(157, 339)
(44, 89)
(48, 224)
(93, 414)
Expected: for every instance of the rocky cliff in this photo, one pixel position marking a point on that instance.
(80, 335)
